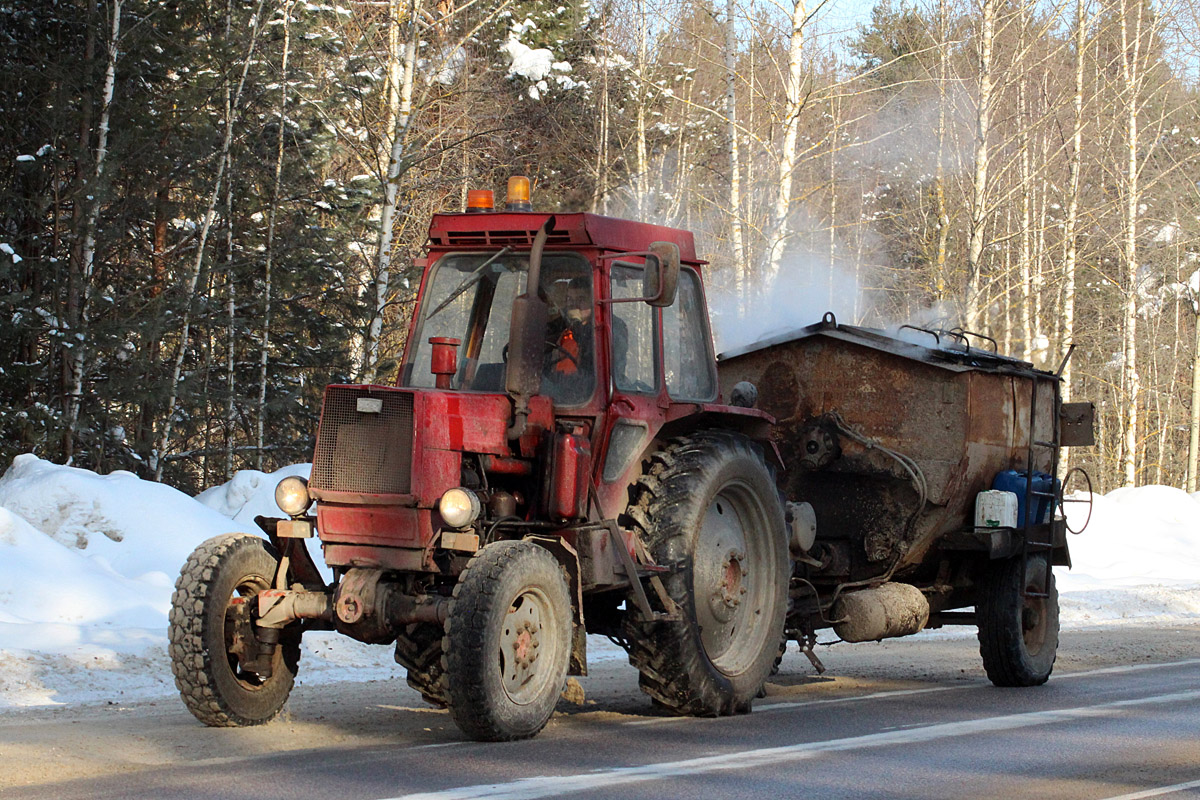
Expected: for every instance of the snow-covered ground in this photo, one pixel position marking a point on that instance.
(88, 563)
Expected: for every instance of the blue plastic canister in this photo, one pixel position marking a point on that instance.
(1010, 480)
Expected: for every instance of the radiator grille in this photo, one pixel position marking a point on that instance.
(368, 453)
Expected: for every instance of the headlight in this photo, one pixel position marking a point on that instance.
(459, 508)
(292, 496)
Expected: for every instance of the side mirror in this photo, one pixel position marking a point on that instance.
(661, 279)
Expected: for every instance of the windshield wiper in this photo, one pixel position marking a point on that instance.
(470, 281)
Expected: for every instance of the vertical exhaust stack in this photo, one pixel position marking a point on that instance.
(526, 336)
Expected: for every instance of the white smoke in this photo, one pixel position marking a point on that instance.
(805, 289)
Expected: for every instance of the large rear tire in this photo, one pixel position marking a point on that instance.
(220, 577)
(708, 508)
(1018, 635)
(507, 643)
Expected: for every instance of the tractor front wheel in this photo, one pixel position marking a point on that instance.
(211, 637)
(507, 642)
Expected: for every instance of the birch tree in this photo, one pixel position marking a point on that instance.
(793, 105)
(193, 274)
(737, 233)
(395, 170)
(979, 182)
(92, 194)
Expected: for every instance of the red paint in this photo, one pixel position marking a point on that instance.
(444, 359)
(491, 231)
(372, 557)
(571, 470)
(463, 422)
(395, 526)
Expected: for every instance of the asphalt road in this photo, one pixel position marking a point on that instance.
(912, 719)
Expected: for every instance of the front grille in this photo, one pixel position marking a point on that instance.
(362, 452)
(499, 238)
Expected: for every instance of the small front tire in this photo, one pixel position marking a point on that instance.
(222, 574)
(507, 642)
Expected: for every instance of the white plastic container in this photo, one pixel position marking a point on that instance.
(996, 509)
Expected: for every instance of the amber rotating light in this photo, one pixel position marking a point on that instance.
(480, 201)
(517, 197)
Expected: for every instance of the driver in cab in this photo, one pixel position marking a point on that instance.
(570, 341)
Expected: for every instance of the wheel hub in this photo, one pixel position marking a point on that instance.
(727, 595)
(525, 645)
(521, 645)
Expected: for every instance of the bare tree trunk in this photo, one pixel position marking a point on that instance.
(1071, 224)
(1131, 380)
(600, 190)
(391, 192)
(793, 101)
(1194, 437)
(979, 184)
(230, 287)
(835, 116)
(1025, 237)
(943, 232)
(91, 193)
(735, 168)
(272, 214)
(194, 273)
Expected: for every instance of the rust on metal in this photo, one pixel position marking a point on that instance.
(890, 441)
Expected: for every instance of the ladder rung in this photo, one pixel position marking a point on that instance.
(1036, 493)
(1040, 443)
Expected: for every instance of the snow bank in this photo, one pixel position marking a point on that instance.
(87, 567)
(250, 494)
(1138, 558)
(134, 526)
(88, 563)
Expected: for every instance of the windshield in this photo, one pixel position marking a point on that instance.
(469, 298)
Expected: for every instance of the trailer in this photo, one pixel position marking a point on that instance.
(887, 442)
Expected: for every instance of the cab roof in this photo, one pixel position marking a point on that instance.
(489, 230)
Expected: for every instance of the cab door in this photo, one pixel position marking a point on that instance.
(637, 397)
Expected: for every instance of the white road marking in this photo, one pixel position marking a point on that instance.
(1179, 787)
(783, 706)
(557, 785)
(1126, 668)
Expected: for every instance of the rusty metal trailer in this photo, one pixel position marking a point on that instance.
(885, 442)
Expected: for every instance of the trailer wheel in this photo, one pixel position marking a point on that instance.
(1018, 635)
(708, 508)
(419, 651)
(507, 642)
(208, 628)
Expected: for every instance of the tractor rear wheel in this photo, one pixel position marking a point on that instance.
(708, 508)
(1018, 631)
(507, 643)
(210, 627)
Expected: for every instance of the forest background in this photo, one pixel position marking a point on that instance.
(210, 209)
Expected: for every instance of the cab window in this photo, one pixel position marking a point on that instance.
(633, 333)
(469, 297)
(687, 363)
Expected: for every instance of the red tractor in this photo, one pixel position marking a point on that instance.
(554, 460)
